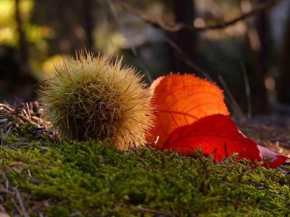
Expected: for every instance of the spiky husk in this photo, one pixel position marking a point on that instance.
(89, 97)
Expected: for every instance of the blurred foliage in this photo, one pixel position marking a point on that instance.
(36, 35)
(49, 64)
(8, 27)
(59, 27)
(59, 30)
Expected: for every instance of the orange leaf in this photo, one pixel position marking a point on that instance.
(181, 100)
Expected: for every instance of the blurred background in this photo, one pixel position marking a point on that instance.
(249, 59)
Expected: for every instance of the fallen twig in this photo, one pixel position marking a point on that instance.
(11, 119)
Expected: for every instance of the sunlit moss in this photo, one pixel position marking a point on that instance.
(89, 179)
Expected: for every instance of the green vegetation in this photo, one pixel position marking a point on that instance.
(96, 179)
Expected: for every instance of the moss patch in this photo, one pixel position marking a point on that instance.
(40, 178)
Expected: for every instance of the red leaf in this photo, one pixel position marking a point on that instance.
(216, 135)
(181, 100)
(271, 158)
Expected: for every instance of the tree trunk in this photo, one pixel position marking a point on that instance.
(88, 23)
(283, 87)
(23, 82)
(262, 64)
(184, 13)
(23, 54)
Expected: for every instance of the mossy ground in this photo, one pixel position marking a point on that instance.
(42, 178)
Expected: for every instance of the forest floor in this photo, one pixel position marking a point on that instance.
(41, 176)
(272, 132)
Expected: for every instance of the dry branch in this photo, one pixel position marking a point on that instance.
(175, 27)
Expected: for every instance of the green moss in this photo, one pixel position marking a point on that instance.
(95, 179)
